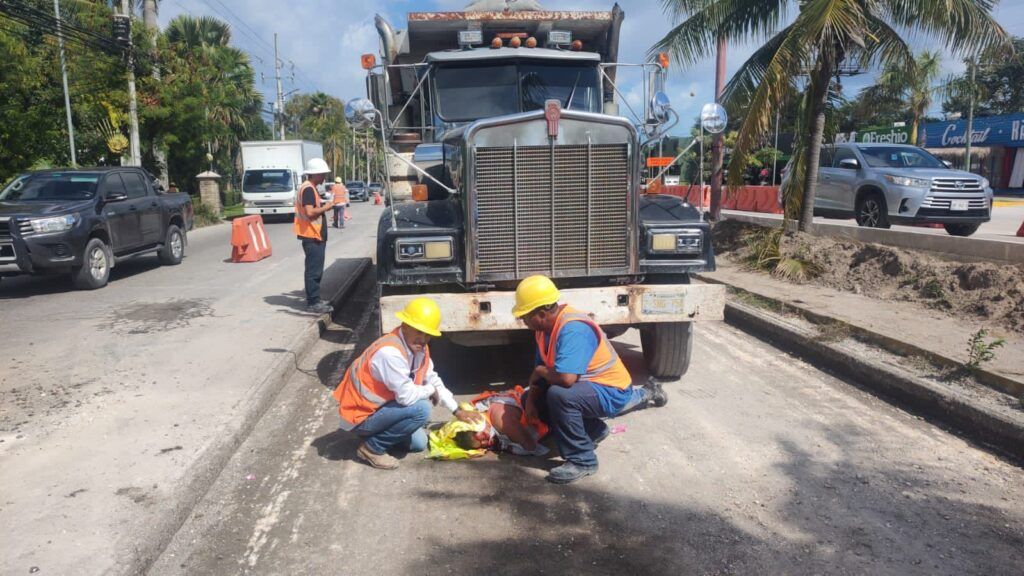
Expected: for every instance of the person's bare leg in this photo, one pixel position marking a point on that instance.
(506, 420)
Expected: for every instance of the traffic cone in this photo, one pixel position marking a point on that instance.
(377, 199)
(1020, 231)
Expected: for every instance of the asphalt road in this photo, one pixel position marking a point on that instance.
(759, 464)
(114, 403)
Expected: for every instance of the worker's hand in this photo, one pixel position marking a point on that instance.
(530, 410)
(435, 398)
(469, 416)
(329, 205)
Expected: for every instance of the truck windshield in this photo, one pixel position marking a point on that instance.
(51, 186)
(898, 157)
(267, 181)
(467, 93)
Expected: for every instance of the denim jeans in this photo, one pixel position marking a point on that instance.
(575, 417)
(396, 426)
(315, 252)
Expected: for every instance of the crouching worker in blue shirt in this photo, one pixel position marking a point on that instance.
(579, 378)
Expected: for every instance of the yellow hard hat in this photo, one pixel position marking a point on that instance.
(422, 314)
(534, 292)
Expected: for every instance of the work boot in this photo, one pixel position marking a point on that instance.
(320, 307)
(380, 461)
(570, 472)
(658, 396)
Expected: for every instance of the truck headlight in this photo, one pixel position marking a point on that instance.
(55, 224)
(675, 241)
(437, 249)
(248, 204)
(907, 181)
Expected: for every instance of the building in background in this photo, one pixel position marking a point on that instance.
(997, 147)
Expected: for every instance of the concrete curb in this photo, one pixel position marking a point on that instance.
(972, 248)
(203, 473)
(921, 396)
(993, 380)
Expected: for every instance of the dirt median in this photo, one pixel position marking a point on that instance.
(985, 291)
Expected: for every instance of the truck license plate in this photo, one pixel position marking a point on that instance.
(655, 303)
(958, 205)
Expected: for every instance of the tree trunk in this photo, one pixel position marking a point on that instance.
(149, 14)
(913, 128)
(819, 100)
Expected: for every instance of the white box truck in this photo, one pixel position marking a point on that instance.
(272, 173)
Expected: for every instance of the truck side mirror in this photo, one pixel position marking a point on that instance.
(849, 163)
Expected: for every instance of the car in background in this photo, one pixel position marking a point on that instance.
(84, 221)
(884, 184)
(357, 191)
(375, 188)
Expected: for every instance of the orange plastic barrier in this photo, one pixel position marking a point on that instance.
(377, 199)
(764, 199)
(249, 242)
(1020, 231)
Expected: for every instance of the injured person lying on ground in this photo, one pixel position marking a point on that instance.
(504, 429)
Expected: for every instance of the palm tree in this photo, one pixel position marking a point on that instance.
(912, 85)
(803, 54)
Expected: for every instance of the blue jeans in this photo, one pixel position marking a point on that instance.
(575, 417)
(396, 426)
(315, 252)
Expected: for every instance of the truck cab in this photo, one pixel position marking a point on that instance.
(272, 173)
(529, 169)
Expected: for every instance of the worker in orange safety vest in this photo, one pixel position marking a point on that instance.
(340, 198)
(578, 378)
(387, 392)
(311, 229)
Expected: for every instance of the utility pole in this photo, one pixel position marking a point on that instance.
(970, 115)
(133, 110)
(149, 18)
(64, 75)
(280, 94)
(717, 149)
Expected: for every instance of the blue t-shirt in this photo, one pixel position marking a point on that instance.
(577, 344)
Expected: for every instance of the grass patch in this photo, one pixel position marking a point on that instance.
(233, 211)
(832, 331)
(980, 350)
(932, 288)
(755, 301)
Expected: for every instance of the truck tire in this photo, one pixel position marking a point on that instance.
(95, 269)
(667, 347)
(962, 229)
(871, 211)
(173, 249)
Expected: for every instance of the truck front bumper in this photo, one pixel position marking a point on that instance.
(610, 305)
(289, 209)
(40, 253)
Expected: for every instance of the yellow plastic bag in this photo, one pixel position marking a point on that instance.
(442, 441)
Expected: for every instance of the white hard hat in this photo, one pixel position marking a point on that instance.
(317, 166)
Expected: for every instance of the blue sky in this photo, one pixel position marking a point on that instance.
(324, 38)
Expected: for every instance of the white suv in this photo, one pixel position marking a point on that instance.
(884, 184)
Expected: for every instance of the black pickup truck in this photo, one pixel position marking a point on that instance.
(83, 221)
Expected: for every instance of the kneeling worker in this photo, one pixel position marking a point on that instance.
(579, 378)
(387, 392)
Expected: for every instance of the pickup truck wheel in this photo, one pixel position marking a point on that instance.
(174, 246)
(95, 269)
(962, 229)
(667, 347)
(872, 212)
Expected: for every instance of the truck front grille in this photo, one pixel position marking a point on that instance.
(5, 228)
(558, 210)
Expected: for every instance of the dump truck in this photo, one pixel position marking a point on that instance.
(508, 157)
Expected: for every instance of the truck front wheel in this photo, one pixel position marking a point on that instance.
(95, 269)
(667, 347)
